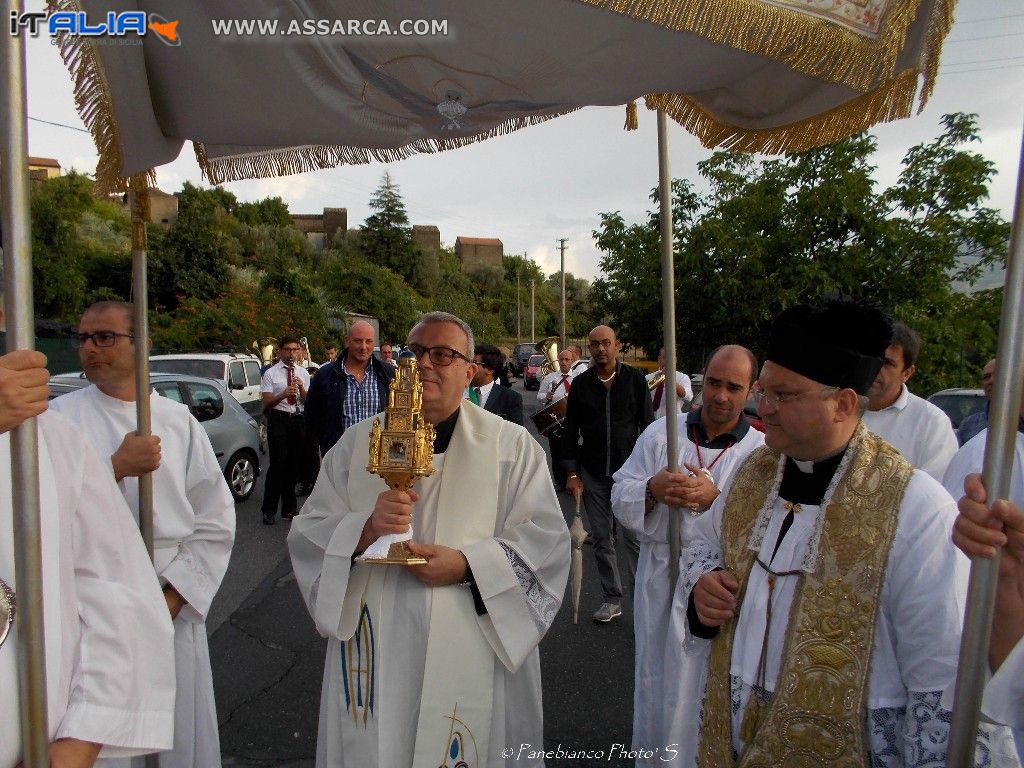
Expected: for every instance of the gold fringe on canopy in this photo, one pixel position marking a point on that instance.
(807, 43)
(891, 102)
(632, 121)
(92, 98)
(290, 160)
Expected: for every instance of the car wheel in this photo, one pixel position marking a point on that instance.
(241, 472)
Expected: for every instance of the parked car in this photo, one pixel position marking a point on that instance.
(233, 433)
(533, 372)
(237, 372)
(958, 404)
(521, 354)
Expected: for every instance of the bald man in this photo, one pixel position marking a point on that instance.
(608, 407)
(352, 388)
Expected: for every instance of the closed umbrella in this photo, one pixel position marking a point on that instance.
(577, 535)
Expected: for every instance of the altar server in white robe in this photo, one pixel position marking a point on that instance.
(981, 530)
(830, 546)
(713, 442)
(438, 662)
(919, 430)
(108, 638)
(193, 512)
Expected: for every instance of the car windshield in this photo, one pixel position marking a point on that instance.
(536, 360)
(958, 406)
(207, 369)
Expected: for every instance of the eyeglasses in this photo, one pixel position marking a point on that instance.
(99, 338)
(777, 401)
(291, 349)
(602, 343)
(439, 355)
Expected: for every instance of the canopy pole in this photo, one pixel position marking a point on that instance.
(139, 197)
(998, 468)
(17, 249)
(668, 321)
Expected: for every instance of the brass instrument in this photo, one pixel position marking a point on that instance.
(656, 379)
(549, 348)
(264, 347)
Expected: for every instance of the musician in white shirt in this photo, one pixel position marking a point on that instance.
(553, 388)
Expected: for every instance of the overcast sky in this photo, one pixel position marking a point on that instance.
(531, 187)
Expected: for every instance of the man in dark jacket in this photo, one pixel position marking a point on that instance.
(352, 388)
(608, 408)
(488, 392)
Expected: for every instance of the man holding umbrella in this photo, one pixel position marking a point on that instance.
(608, 408)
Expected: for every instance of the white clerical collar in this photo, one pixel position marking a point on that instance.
(807, 467)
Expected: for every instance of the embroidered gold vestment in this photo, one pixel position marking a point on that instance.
(816, 715)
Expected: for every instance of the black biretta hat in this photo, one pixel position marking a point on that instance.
(838, 343)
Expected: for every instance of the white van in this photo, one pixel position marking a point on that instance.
(238, 372)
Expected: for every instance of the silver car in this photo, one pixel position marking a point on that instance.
(232, 432)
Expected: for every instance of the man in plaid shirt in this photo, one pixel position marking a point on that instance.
(352, 388)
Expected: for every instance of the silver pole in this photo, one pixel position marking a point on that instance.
(533, 312)
(998, 467)
(17, 248)
(519, 326)
(139, 197)
(668, 308)
(561, 334)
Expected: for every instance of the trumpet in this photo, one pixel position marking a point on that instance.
(656, 379)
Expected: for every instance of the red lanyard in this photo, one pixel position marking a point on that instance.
(700, 459)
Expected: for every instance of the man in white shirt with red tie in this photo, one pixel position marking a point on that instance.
(555, 387)
(284, 388)
(684, 389)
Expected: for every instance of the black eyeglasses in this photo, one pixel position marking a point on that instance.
(99, 338)
(438, 355)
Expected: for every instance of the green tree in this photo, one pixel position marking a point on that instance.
(779, 231)
(387, 237)
(271, 211)
(192, 259)
(58, 252)
(352, 285)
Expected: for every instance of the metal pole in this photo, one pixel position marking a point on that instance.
(139, 196)
(561, 335)
(519, 326)
(668, 321)
(998, 467)
(138, 192)
(533, 311)
(17, 248)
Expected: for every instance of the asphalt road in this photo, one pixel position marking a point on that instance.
(268, 659)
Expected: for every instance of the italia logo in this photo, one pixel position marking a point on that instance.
(114, 24)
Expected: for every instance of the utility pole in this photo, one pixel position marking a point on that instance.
(561, 247)
(519, 329)
(533, 312)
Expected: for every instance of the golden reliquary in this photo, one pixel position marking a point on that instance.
(401, 452)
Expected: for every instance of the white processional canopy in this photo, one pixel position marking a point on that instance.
(752, 75)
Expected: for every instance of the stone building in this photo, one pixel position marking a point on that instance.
(478, 252)
(43, 168)
(163, 208)
(321, 229)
